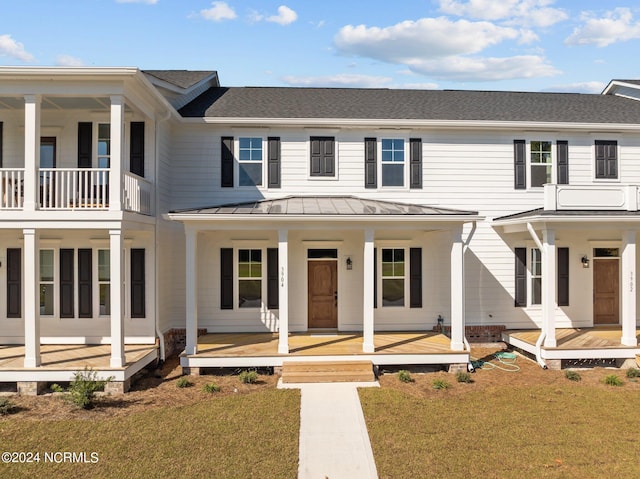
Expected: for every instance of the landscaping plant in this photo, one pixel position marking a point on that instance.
(84, 386)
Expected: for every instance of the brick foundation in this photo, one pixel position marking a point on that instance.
(458, 368)
(31, 388)
(478, 334)
(117, 387)
(175, 340)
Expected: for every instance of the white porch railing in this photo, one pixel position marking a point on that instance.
(73, 188)
(137, 194)
(11, 188)
(591, 197)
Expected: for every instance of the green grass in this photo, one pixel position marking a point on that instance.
(529, 431)
(249, 436)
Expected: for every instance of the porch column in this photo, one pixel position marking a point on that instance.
(628, 289)
(549, 275)
(191, 275)
(31, 299)
(457, 290)
(117, 153)
(283, 291)
(31, 150)
(117, 299)
(368, 345)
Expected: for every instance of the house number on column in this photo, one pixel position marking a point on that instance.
(282, 276)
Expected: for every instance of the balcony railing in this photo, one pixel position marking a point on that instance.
(591, 197)
(73, 188)
(11, 188)
(137, 194)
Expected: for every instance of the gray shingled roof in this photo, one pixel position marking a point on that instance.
(325, 206)
(354, 103)
(180, 78)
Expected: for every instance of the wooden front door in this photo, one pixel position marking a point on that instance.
(606, 291)
(323, 294)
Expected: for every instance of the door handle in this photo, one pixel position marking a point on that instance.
(335, 297)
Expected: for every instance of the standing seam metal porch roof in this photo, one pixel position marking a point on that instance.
(390, 104)
(325, 206)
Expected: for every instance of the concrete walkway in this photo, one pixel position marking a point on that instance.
(334, 442)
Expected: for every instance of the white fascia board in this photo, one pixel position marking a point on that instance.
(615, 83)
(415, 123)
(28, 71)
(568, 220)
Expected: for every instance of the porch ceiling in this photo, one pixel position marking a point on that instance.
(324, 207)
(92, 103)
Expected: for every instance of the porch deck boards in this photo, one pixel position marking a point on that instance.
(321, 344)
(599, 337)
(72, 357)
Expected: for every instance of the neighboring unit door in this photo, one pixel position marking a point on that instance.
(323, 294)
(606, 291)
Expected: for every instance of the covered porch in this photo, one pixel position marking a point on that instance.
(59, 362)
(261, 349)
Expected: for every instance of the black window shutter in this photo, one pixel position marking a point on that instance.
(1, 135)
(415, 163)
(14, 283)
(138, 291)
(136, 150)
(85, 290)
(563, 276)
(323, 156)
(273, 295)
(521, 277)
(226, 162)
(375, 277)
(606, 159)
(415, 278)
(85, 140)
(66, 283)
(370, 163)
(520, 165)
(273, 162)
(226, 278)
(563, 162)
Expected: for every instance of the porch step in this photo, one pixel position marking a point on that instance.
(327, 371)
(638, 359)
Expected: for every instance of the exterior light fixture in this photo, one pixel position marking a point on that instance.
(349, 263)
(585, 261)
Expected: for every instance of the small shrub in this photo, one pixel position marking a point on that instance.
(463, 377)
(405, 376)
(633, 373)
(84, 386)
(7, 407)
(440, 384)
(572, 375)
(248, 377)
(183, 382)
(211, 388)
(613, 380)
(56, 388)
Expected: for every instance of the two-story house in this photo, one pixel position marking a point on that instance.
(266, 224)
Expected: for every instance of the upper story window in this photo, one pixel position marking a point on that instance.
(104, 145)
(393, 162)
(540, 161)
(323, 157)
(606, 159)
(250, 162)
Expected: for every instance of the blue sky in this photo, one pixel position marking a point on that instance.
(529, 45)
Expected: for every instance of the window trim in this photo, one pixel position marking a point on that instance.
(406, 277)
(405, 164)
(237, 279)
(237, 162)
(52, 283)
(553, 163)
(98, 282)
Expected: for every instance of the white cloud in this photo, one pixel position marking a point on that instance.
(341, 80)
(148, 2)
(537, 13)
(617, 25)
(68, 61)
(11, 48)
(424, 38)
(578, 87)
(218, 12)
(285, 16)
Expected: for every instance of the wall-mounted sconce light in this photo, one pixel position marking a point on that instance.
(349, 263)
(585, 261)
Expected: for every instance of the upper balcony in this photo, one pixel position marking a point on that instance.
(600, 197)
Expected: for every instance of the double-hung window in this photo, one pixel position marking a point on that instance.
(250, 159)
(541, 163)
(536, 276)
(46, 282)
(393, 162)
(104, 281)
(393, 277)
(249, 278)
